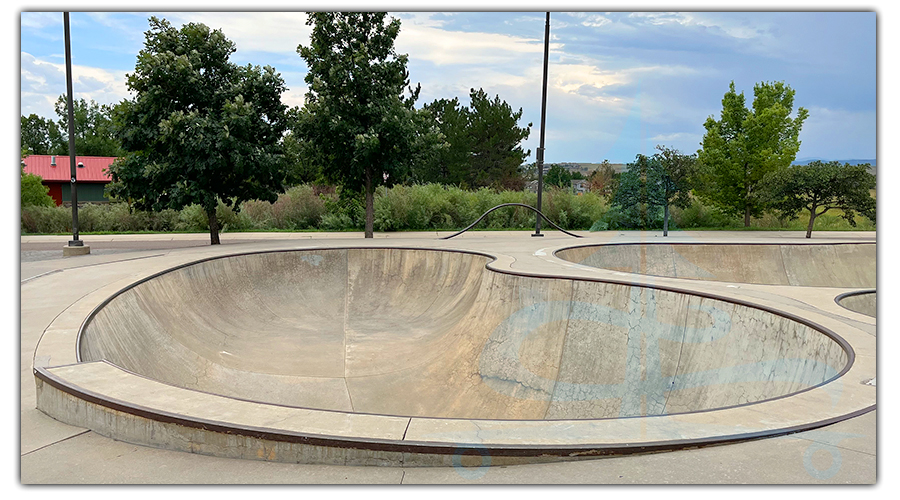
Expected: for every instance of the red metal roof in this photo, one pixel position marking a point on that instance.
(93, 170)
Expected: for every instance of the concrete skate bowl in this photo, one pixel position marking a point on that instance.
(850, 265)
(413, 356)
(861, 301)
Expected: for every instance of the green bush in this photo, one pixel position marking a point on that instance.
(33, 192)
(258, 213)
(699, 214)
(630, 218)
(231, 219)
(43, 219)
(298, 208)
(426, 207)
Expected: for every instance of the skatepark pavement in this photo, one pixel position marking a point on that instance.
(395, 328)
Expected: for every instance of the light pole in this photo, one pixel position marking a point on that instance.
(539, 160)
(76, 246)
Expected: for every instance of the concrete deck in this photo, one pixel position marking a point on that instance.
(55, 315)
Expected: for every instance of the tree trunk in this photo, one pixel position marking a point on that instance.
(666, 221)
(370, 204)
(812, 220)
(213, 226)
(747, 216)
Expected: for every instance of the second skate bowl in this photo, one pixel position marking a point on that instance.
(823, 265)
(414, 332)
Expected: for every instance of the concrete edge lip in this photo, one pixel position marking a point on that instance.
(450, 436)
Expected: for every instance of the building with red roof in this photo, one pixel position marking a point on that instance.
(91, 176)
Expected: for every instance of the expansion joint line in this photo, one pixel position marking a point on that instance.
(677, 363)
(346, 327)
(82, 433)
(408, 422)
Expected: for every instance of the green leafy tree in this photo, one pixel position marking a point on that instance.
(744, 145)
(41, 136)
(636, 197)
(300, 165)
(200, 128)
(558, 176)
(94, 131)
(819, 187)
(33, 191)
(359, 121)
(653, 184)
(673, 173)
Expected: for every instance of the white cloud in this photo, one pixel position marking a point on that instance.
(421, 19)
(41, 20)
(593, 20)
(727, 26)
(444, 47)
(296, 97)
(253, 31)
(43, 82)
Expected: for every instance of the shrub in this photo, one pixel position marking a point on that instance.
(629, 218)
(298, 208)
(258, 213)
(231, 219)
(33, 192)
(699, 214)
(43, 219)
(192, 218)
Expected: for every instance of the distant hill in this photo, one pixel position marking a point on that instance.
(872, 169)
(805, 161)
(587, 168)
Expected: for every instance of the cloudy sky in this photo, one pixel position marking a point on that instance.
(619, 82)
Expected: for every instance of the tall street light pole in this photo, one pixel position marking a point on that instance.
(75, 246)
(540, 150)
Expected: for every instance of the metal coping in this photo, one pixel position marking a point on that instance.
(840, 297)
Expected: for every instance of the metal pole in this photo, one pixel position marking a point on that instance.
(75, 242)
(540, 151)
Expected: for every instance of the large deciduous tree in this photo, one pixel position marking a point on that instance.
(359, 121)
(200, 128)
(819, 187)
(653, 183)
(635, 196)
(558, 176)
(673, 173)
(744, 145)
(94, 131)
(41, 136)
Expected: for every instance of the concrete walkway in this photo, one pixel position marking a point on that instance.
(52, 452)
